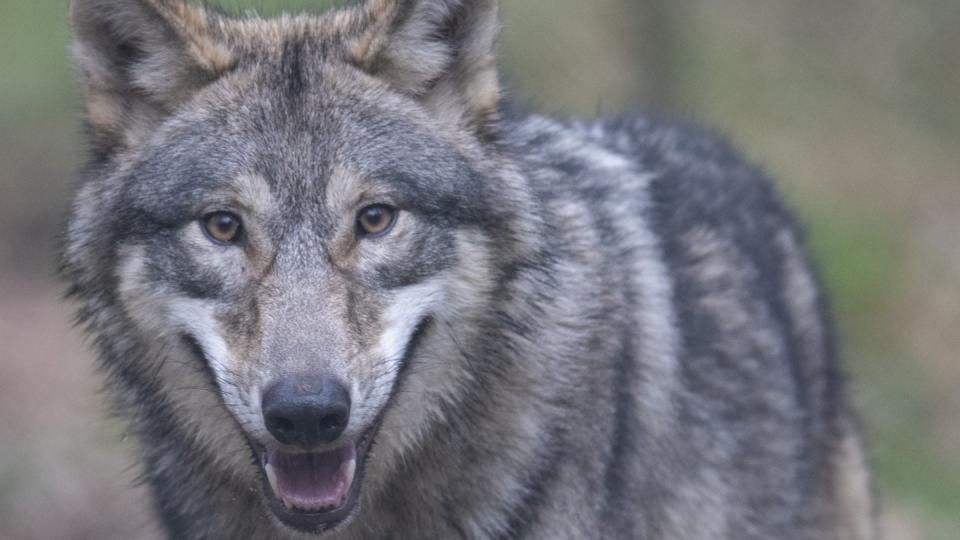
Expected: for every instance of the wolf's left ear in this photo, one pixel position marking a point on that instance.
(441, 52)
(139, 59)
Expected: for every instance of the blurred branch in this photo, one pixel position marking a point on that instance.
(651, 38)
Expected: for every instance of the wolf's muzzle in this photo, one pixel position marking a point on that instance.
(306, 411)
(307, 484)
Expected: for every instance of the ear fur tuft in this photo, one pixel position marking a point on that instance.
(139, 59)
(442, 52)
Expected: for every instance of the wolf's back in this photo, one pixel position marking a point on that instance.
(732, 416)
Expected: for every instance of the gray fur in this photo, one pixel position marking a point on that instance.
(602, 329)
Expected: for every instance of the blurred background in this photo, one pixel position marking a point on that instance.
(853, 106)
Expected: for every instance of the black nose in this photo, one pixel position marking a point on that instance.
(306, 411)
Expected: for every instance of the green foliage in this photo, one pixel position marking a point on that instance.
(35, 67)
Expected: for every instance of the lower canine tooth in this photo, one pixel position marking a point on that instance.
(272, 478)
(351, 470)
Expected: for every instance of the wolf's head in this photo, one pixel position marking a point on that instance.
(287, 227)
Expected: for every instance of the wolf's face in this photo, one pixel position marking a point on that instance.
(291, 210)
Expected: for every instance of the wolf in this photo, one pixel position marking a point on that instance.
(340, 288)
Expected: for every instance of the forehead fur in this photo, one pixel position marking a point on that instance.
(255, 34)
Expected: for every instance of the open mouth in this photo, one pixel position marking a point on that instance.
(314, 491)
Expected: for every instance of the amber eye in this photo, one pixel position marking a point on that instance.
(376, 220)
(223, 227)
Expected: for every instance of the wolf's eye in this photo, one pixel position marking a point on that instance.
(376, 220)
(222, 227)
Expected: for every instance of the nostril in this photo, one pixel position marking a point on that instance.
(281, 424)
(333, 422)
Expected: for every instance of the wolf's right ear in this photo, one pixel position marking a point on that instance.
(139, 59)
(441, 52)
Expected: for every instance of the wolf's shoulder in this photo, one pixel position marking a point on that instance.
(692, 171)
(697, 172)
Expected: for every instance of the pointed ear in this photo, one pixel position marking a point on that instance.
(441, 52)
(139, 59)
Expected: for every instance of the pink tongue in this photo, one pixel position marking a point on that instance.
(313, 481)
